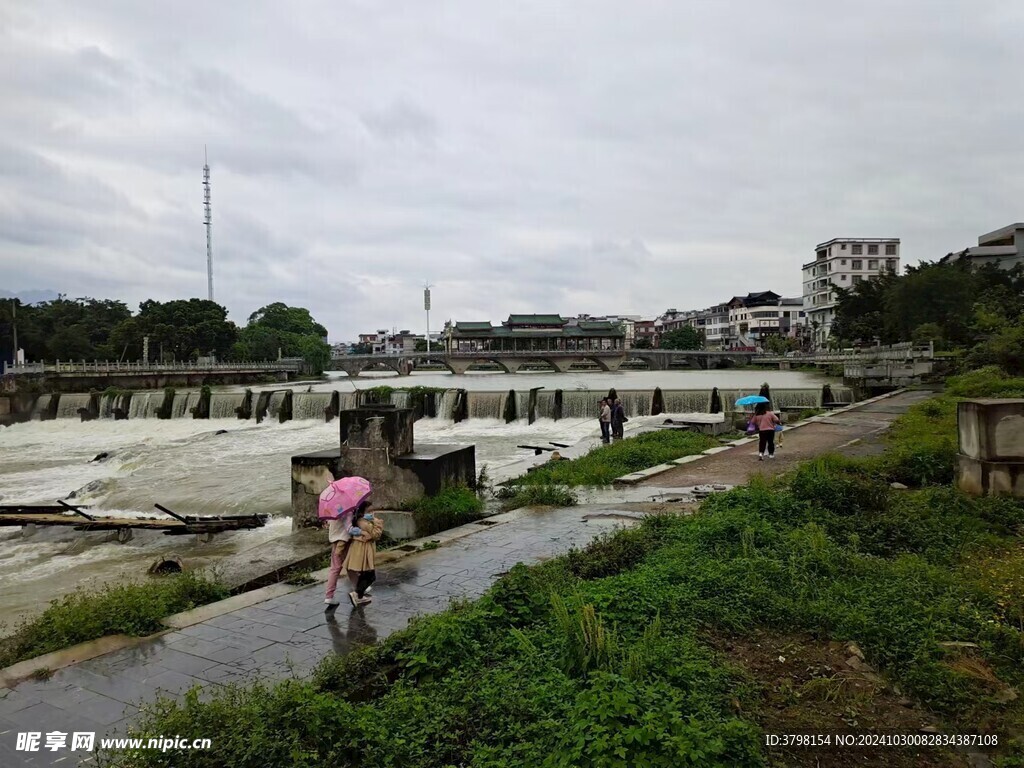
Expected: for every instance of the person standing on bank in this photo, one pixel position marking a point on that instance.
(339, 537)
(359, 562)
(765, 422)
(606, 420)
(618, 419)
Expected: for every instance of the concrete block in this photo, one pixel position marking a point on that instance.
(991, 429)
(397, 523)
(990, 478)
(719, 449)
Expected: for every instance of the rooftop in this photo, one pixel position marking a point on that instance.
(857, 240)
(535, 320)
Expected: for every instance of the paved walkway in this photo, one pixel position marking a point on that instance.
(737, 466)
(288, 635)
(281, 637)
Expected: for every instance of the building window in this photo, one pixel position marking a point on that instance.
(842, 247)
(872, 250)
(857, 250)
(842, 262)
(843, 278)
(856, 264)
(872, 263)
(891, 265)
(856, 279)
(890, 250)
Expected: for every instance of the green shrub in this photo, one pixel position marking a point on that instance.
(130, 609)
(610, 554)
(454, 506)
(838, 485)
(536, 496)
(989, 381)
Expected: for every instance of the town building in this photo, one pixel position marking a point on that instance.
(645, 334)
(1004, 248)
(628, 323)
(534, 333)
(842, 263)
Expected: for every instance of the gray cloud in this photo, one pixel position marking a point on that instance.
(532, 157)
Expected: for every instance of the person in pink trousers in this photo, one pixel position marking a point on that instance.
(340, 537)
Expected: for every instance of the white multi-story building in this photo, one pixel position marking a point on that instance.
(1003, 247)
(843, 262)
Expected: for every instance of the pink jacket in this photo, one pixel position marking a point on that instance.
(766, 421)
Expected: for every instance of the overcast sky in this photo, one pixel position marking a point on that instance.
(600, 157)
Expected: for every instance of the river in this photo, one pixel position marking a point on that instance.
(227, 466)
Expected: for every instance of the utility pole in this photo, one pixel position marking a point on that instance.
(208, 221)
(426, 306)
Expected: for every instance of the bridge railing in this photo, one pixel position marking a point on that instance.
(100, 367)
(901, 351)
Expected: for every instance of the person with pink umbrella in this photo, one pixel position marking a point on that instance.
(338, 503)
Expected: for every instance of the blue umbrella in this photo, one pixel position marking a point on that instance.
(751, 400)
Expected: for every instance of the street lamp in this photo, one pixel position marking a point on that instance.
(426, 306)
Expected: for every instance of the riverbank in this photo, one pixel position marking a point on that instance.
(415, 585)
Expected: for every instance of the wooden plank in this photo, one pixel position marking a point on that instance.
(76, 510)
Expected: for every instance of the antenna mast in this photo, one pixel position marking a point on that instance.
(208, 221)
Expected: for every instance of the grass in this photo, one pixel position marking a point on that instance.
(454, 506)
(605, 463)
(130, 609)
(612, 656)
(514, 497)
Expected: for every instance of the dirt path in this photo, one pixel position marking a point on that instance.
(852, 432)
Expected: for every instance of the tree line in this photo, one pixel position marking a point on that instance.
(976, 310)
(179, 330)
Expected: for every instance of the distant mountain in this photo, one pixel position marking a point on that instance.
(29, 297)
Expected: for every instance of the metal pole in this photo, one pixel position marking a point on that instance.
(14, 327)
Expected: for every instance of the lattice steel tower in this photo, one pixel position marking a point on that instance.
(208, 220)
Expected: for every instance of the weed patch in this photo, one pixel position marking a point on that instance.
(130, 609)
(454, 506)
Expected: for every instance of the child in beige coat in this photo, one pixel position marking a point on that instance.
(359, 560)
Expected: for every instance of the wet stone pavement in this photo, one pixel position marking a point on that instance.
(281, 637)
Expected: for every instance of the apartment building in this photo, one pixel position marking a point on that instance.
(714, 322)
(842, 263)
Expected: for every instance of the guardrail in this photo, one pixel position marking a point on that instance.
(99, 367)
(903, 351)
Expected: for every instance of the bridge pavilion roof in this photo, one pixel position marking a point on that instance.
(603, 329)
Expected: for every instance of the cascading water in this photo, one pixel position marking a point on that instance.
(400, 398)
(446, 404)
(842, 394)
(687, 401)
(487, 405)
(67, 407)
(636, 402)
(545, 405)
(310, 405)
(184, 402)
(224, 405)
(523, 405)
(145, 405)
(274, 407)
(580, 404)
(348, 400)
(796, 398)
(40, 406)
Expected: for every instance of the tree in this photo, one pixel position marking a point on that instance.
(780, 345)
(183, 329)
(69, 328)
(421, 345)
(643, 343)
(686, 337)
(290, 330)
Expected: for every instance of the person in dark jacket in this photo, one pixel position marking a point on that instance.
(618, 419)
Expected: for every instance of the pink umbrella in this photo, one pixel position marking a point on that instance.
(340, 498)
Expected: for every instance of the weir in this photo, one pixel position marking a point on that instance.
(448, 405)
